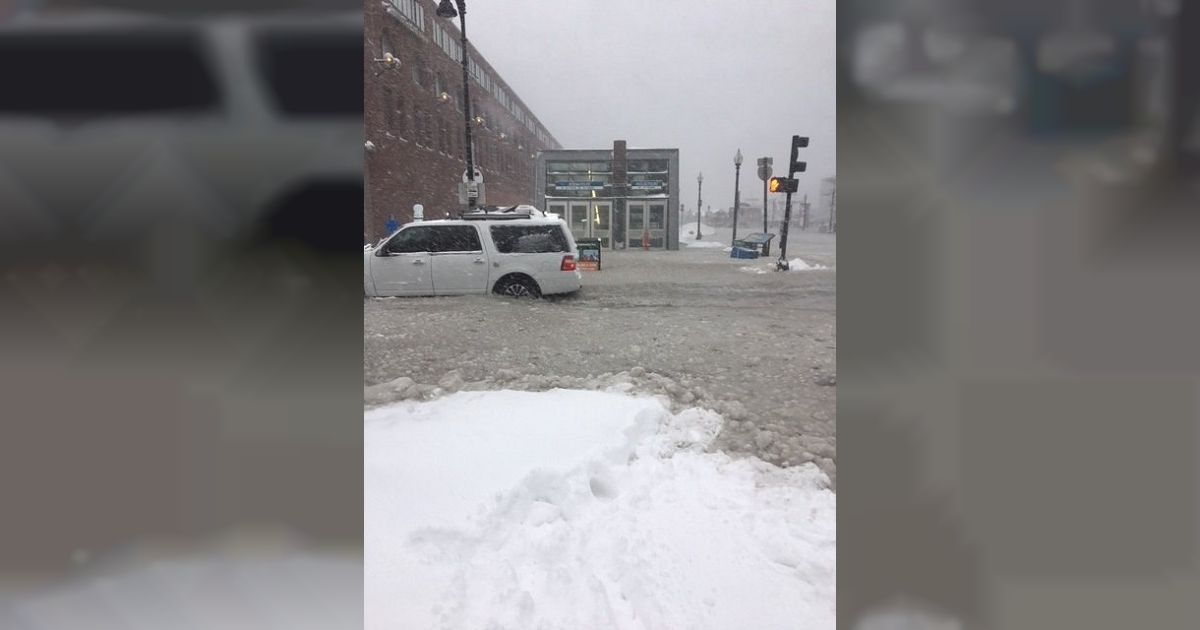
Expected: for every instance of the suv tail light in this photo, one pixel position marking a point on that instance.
(568, 263)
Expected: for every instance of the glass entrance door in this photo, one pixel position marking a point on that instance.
(591, 219)
(602, 223)
(646, 219)
(577, 218)
(656, 217)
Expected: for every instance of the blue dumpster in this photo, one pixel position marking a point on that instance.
(753, 242)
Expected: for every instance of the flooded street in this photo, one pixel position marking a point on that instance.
(756, 345)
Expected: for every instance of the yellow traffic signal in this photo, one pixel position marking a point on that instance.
(782, 185)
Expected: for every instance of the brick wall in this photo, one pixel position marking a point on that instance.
(418, 139)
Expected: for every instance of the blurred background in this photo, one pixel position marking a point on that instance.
(1111, 78)
(1020, 429)
(179, 321)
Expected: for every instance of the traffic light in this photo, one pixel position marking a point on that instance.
(783, 185)
(796, 166)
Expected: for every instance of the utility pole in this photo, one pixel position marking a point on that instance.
(804, 216)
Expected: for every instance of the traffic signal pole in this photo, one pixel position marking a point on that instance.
(783, 264)
(794, 166)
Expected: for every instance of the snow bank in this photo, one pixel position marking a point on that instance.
(687, 231)
(702, 244)
(585, 509)
(794, 264)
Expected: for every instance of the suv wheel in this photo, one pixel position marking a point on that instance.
(518, 288)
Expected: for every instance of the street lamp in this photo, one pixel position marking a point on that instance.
(446, 9)
(369, 147)
(699, 186)
(737, 175)
(388, 61)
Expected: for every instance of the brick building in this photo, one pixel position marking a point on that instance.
(414, 122)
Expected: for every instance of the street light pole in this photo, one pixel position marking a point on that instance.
(699, 186)
(447, 11)
(737, 175)
(765, 179)
(369, 147)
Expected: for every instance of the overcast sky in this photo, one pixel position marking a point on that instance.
(704, 76)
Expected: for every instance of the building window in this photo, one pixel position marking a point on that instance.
(411, 11)
(420, 73)
(578, 179)
(647, 177)
(447, 43)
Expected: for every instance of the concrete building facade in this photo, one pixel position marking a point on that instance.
(627, 198)
(415, 132)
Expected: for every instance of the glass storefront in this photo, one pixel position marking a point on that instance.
(625, 203)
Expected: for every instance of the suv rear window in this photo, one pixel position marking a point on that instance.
(529, 239)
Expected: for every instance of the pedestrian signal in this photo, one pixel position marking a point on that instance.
(782, 185)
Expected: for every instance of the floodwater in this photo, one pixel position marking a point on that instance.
(758, 346)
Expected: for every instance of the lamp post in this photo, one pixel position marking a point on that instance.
(699, 186)
(446, 10)
(369, 148)
(737, 176)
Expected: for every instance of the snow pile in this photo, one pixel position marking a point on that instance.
(702, 244)
(794, 264)
(797, 264)
(687, 231)
(585, 509)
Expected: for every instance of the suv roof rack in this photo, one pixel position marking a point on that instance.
(507, 214)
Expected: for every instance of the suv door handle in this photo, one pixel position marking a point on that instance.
(480, 261)
(418, 262)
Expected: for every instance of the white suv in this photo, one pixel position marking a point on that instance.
(519, 252)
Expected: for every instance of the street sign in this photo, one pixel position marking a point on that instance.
(473, 190)
(764, 168)
(578, 185)
(647, 185)
(478, 175)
